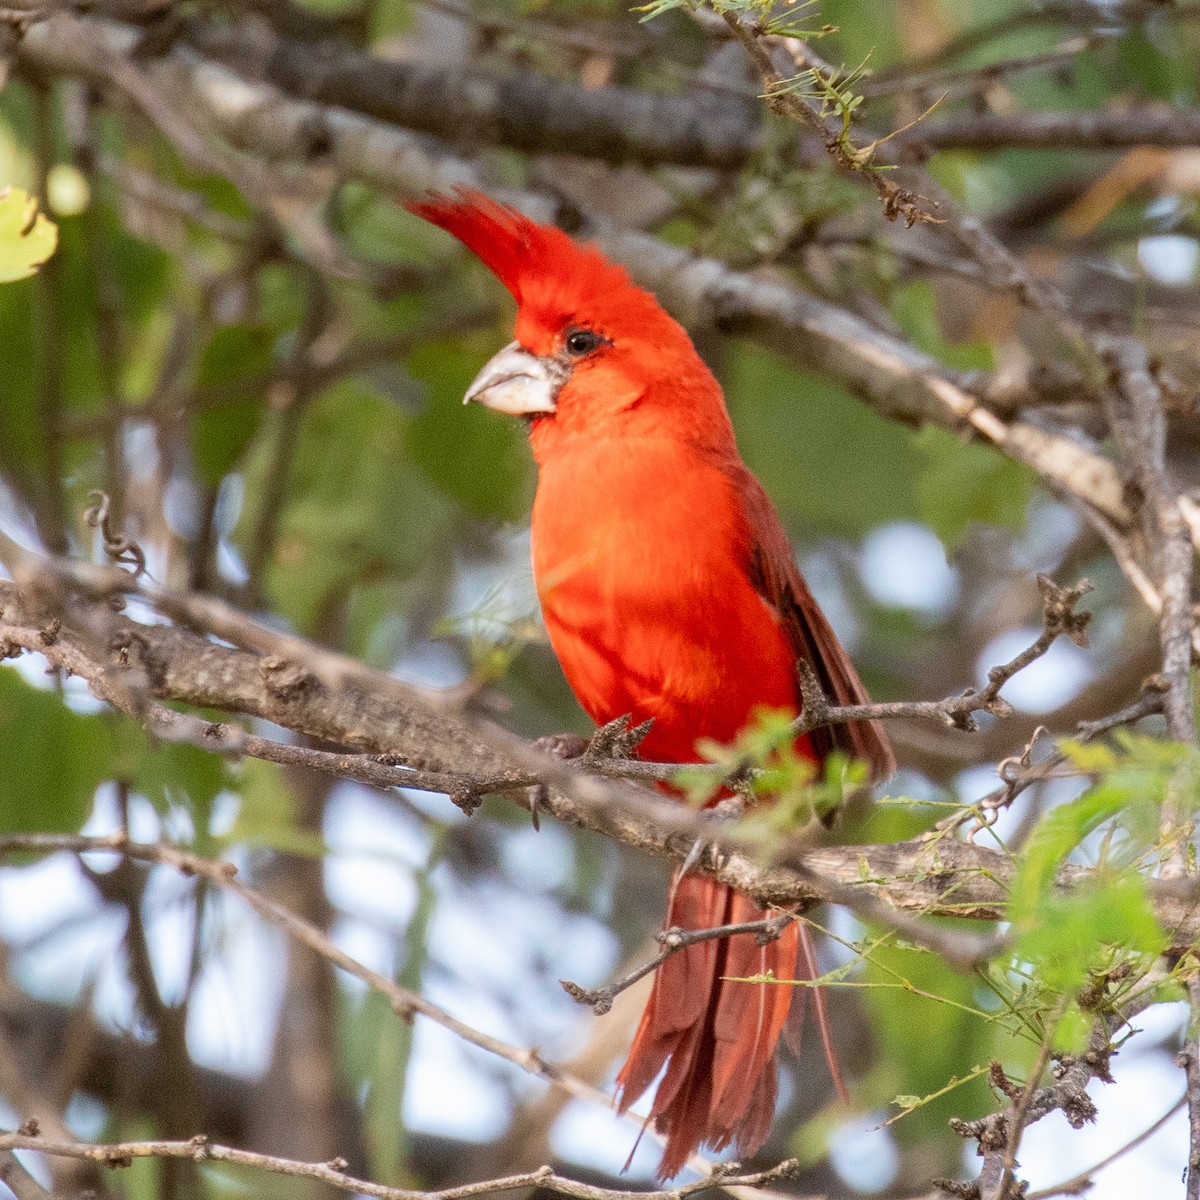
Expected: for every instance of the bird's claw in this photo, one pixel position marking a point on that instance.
(617, 739)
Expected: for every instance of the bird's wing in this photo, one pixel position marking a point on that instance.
(777, 579)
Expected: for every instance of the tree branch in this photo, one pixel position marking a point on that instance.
(525, 111)
(200, 1150)
(1081, 130)
(897, 885)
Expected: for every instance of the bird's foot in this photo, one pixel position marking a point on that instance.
(617, 739)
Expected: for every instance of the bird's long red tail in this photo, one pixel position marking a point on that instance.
(716, 1037)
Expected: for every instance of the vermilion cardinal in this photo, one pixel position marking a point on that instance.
(670, 593)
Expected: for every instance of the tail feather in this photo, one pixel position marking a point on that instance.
(716, 1037)
(748, 1022)
(673, 1020)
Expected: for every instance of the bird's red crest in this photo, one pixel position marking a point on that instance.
(553, 279)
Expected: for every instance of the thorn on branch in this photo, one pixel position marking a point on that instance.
(599, 1000)
(123, 641)
(1001, 1082)
(467, 799)
(814, 703)
(538, 795)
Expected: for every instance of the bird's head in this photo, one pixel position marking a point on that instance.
(591, 347)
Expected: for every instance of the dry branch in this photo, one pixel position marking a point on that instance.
(897, 884)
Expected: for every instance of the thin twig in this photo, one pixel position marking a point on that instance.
(855, 160)
(991, 1189)
(671, 940)
(200, 1149)
(224, 875)
(1020, 772)
(1058, 617)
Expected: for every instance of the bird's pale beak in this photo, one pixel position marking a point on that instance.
(516, 382)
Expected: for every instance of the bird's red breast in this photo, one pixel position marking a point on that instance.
(641, 556)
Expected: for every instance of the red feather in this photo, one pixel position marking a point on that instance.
(669, 592)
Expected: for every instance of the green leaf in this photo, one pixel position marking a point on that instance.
(51, 759)
(908, 1103)
(1132, 784)
(1053, 838)
(27, 237)
(1078, 933)
(1066, 935)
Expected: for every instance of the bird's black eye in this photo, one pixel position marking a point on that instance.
(582, 341)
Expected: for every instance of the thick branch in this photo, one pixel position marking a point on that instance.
(1076, 130)
(525, 111)
(895, 884)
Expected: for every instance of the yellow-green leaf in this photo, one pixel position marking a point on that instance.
(27, 237)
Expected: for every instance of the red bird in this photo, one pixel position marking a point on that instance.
(669, 592)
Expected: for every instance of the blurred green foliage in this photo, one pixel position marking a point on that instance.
(52, 759)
